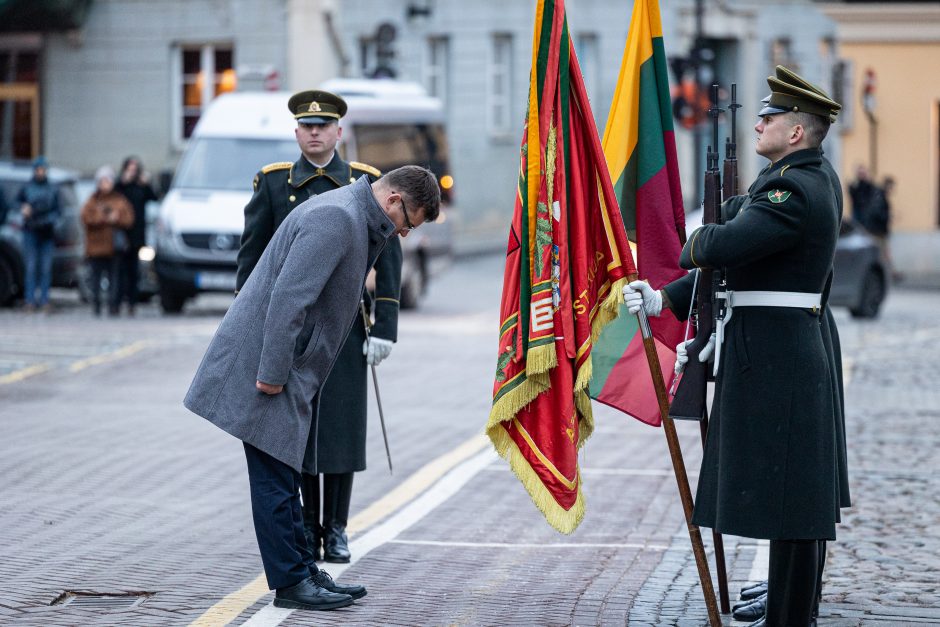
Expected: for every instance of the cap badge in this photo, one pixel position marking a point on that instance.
(778, 196)
(314, 106)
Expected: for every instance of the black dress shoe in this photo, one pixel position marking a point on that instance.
(323, 579)
(335, 545)
(741, 604)
(307, 595)
(314, 541)
(753, 610)
(754, 591)
(754, 585)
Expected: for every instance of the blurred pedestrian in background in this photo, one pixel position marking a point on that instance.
(133, 184)
(861, 192)
(878, 221)
(106, 215)
(39, 204)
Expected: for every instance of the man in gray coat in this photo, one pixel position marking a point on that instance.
(276, 346)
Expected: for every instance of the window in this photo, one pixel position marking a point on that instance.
(499, 88)
(587, 48)
(204, 72)
(437, 72)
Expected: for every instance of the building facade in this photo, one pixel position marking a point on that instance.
(895, 50)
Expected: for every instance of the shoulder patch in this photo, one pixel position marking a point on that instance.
(280, 165)
(778, 196)
(364, 167)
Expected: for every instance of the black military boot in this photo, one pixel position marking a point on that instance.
(337, 493)
(791, 588)
(310, 498)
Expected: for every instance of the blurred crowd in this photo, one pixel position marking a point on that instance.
(114, 222)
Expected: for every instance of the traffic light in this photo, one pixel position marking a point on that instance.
(690, 102)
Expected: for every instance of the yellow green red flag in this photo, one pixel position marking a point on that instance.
(566, 262)
(640, 147)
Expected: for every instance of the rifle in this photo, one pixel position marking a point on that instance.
(729, 188)
(689, 401)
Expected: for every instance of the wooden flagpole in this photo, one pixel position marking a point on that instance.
(678, 467)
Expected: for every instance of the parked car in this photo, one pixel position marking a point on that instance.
(202, 216)
(859, 279)
(69, 245)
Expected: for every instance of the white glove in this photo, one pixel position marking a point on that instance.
(708, 350)
(682, 354)
(682, 357)
(639, 294)
(376, 349)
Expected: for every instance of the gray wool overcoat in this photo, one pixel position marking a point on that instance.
(289, 321)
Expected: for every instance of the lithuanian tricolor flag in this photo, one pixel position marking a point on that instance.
(566, 263)
(641, 154)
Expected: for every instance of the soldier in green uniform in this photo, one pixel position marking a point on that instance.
(771, 465)
(336, 446)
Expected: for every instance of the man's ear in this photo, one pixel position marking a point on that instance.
(796, 134)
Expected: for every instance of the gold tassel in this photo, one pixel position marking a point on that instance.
(562, 520)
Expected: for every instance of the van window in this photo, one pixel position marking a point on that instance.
(226, 163)
(389, 146)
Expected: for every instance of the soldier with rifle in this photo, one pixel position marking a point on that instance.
(770, 468)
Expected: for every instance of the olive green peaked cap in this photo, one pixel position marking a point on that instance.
(316, 107)
(791, 92)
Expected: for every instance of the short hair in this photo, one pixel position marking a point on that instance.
(419, 185)
(815, 127)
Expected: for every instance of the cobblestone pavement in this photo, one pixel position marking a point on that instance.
(112, 487)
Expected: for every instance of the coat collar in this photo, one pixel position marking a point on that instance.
(376, 219)
(807, 156)
(303, 171)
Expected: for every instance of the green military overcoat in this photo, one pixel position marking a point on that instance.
(338, 443)
(770, 467)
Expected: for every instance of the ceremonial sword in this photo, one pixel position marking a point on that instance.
(375, 383)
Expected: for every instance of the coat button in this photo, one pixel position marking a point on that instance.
(293, 198)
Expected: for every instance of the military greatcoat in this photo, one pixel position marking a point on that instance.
(338, 443)
(770, 467)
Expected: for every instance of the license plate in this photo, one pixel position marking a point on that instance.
(216, 281)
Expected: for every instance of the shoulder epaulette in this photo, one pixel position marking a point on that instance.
(364, 167)
(280, 165)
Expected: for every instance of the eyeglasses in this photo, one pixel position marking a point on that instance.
(408, 225)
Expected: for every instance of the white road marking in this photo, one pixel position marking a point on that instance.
(445, 488)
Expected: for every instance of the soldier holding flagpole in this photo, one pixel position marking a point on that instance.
(771, 466)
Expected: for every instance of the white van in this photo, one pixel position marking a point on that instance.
(201, 220)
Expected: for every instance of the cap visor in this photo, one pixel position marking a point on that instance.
(315, 119)
(769, 110)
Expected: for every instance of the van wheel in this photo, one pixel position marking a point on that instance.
(171, 302)
(7, 283)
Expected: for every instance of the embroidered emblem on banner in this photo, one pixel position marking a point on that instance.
(778, 196)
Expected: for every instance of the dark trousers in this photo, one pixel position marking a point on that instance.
(275, 508)
(104, 267)
(337, 495)
(129, 271)
(792, 587)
